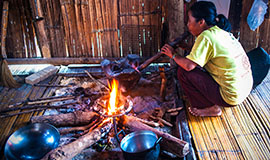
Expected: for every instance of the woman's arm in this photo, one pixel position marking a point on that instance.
(185, 63)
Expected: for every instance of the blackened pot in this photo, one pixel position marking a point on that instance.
(141, 145)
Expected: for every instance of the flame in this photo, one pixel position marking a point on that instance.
(113, 101)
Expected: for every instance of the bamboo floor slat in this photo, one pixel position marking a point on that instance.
(11, 96)
(242, 132)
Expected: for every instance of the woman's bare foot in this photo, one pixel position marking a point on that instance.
(212, 111)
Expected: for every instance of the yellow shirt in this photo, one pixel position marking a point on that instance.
(225, 59)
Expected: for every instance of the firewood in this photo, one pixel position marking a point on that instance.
(81, 128)
(70, 150)
(174, 113)
(169, 143)
(162, 92)
(162, 121)
(174, 109)
(54, 85)
(150, 123)
(76, 118)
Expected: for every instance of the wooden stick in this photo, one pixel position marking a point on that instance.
(159, 54)
(76, 118)
(169, 143)
(162, 121)
(3, 54)
(174, 113)
(72, 149)
(150, 123)
(45, 100)
(48, 85)
(32, 110)
(35, 107)
(90, 129)
(162, 92)
(81, 128)
(174, 109)
(95, 80)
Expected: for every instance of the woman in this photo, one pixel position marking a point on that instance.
(217, 71)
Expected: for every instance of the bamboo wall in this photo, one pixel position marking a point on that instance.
(109, 28)
(84, 28)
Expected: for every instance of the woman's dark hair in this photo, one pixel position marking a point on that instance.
(207, 11)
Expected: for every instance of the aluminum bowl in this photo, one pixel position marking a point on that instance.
(141, 145)
(32, 142)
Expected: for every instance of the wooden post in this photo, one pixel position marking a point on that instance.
(6, 77)
(175, 19)
(4, 29)
(40, 28)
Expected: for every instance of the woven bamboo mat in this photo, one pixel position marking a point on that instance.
(242, 132)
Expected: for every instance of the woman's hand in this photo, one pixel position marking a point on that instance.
(167, 50)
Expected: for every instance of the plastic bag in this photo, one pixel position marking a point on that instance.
(256, 14)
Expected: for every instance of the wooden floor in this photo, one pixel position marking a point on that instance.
(242, 132)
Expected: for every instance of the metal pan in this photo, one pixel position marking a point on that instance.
(32, 142)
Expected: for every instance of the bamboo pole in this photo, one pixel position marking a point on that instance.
(25, 28)
(198, 140)
(94, 28)
(80, 29)
(6, 77)
(106, 28)
(227, 141)
(215, 138)
(239, 134)
(257, 132)
(53, 36)
(86, 26)
(115, 21)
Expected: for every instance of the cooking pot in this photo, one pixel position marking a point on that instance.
(32, 142)
(140, 145)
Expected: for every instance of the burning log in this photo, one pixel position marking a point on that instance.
(69, 119)
(72, 149)
(169, 143)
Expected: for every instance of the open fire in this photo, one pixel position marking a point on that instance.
(114, 97)
(115, 105)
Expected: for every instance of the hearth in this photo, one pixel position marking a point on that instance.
(89, 126)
